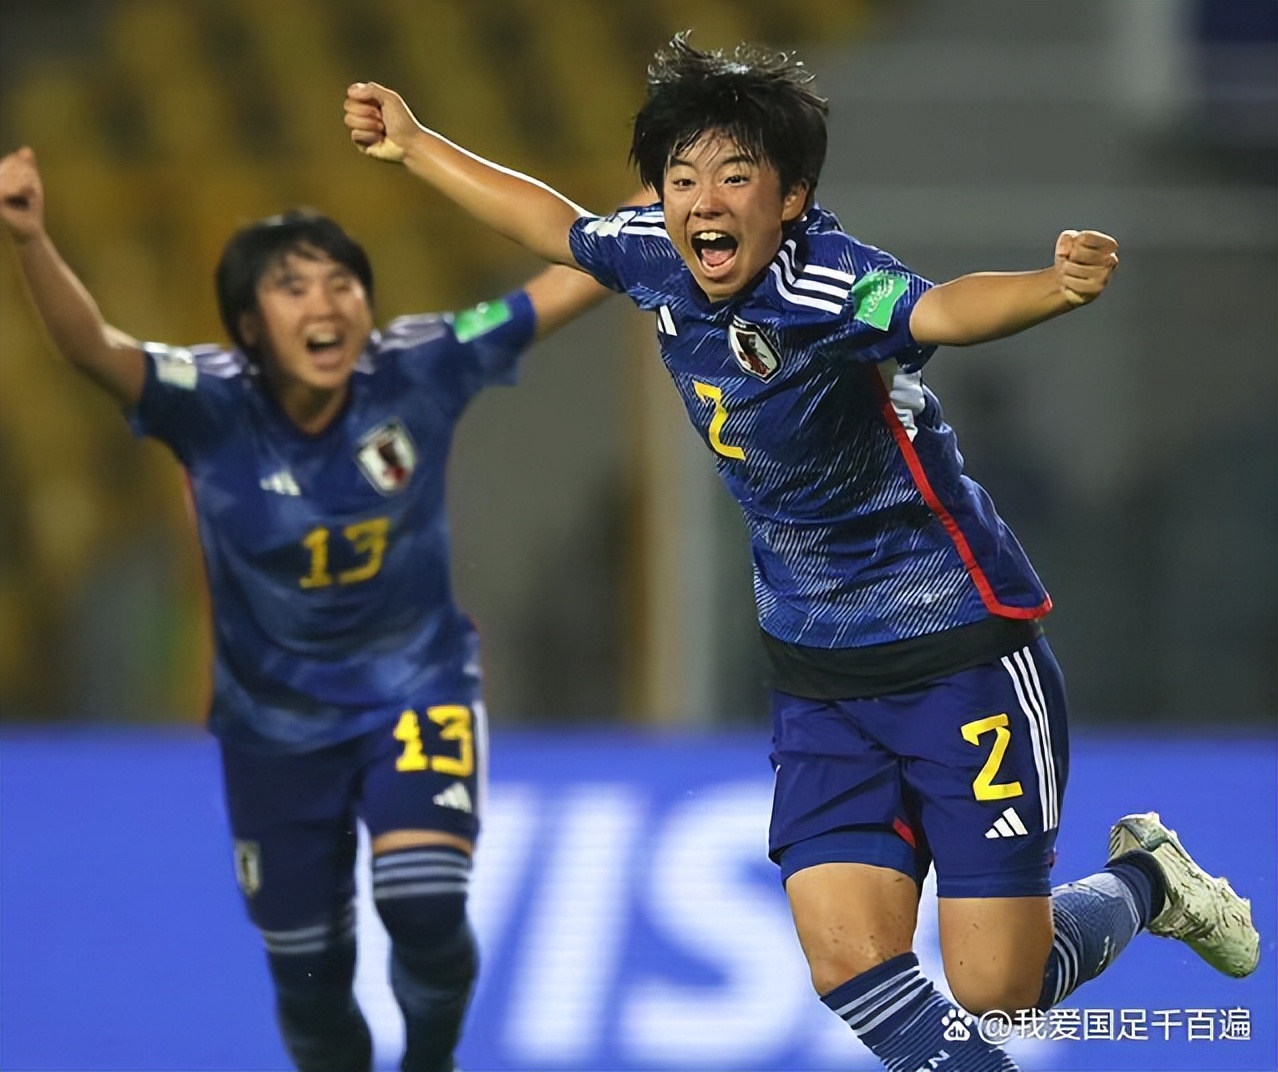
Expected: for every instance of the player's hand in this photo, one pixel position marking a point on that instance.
(21, 195)
(1084, 262)
(379, 121)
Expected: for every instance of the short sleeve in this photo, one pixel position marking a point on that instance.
(877, 315)
(628, 251)
(455, 355)
(188, 398)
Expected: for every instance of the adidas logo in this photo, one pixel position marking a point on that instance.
(455, 796)
(1007, 825)
(281, 482)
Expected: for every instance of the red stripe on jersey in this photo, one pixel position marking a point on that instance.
(904, 832)
(992, 603)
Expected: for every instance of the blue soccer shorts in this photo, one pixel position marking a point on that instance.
(966, 773)
(293, 816)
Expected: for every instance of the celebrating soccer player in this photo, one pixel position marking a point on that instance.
(919, 715)
(346, 682)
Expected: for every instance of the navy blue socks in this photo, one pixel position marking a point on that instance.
(909, 1025)
(1095, 919)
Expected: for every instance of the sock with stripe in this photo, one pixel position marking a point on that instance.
(420, 894)
(909, 1025)
(313, 969)
(1095, 918)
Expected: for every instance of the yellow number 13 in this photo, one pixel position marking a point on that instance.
(983, 786)
(453, 721)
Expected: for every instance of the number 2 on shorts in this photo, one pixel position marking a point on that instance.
(454, 725)
(983, 786)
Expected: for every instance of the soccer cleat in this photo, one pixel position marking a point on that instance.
(1203, 912)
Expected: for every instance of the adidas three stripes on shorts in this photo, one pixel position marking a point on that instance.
(965, 774)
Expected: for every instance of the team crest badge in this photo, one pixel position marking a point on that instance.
(248, 866)
(387, 456)
(752, 349)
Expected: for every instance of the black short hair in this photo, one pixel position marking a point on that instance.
(254, 250)
(756, 97)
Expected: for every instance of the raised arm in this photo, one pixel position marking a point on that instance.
(105, 354)
(521, 208)
(560, 294)
(990, 305)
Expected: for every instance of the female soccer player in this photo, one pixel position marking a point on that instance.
(919, 715)
(346, 681)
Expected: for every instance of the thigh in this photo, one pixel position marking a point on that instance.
(851, 917)
(988, 758)
(426, 772)
(839, 796)
(995, 950)
(293, 822)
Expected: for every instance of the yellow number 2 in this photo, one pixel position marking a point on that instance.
(714, 395)
(454, 725)
(983, 786)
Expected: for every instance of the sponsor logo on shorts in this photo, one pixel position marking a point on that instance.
(455, 796)
(1007, 825)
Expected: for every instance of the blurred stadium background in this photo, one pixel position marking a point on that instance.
(1133, 448)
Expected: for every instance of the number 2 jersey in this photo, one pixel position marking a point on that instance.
(327, 555)
(877, 563)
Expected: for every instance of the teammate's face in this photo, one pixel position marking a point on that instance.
(311, 323)
(724, 212)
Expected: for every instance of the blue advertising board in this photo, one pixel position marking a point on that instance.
(628, 917)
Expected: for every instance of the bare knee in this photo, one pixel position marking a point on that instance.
(995, 951)
(980, 992)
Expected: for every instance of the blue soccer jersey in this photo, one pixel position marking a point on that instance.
(807, 387)
(327, 555)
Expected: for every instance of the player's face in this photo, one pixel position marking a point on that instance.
(724, 212)
(311, 323)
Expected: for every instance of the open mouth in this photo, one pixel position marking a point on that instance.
(326, 347)
(714, 249)
(322, 341)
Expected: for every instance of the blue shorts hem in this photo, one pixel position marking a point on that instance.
(879, 848)
(1034, 883)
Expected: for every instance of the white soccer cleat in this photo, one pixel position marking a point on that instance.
(1203, 912)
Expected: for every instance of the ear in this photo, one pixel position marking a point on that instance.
(795, 202)
(251, 328)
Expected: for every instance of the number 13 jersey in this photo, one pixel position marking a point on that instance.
(327, 555)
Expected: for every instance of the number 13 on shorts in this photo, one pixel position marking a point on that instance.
(455, 731)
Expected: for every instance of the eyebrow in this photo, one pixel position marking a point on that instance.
(284, 274)
(740, 158)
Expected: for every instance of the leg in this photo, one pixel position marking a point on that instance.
(423, 817)
(852, 872)
(994, 950)
(851, 918)
(295, 854)
(856, 925)
(992, 790)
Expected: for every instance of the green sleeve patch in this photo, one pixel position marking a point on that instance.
(472, 323)
(875, 295)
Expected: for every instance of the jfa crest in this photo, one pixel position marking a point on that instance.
(752, 349)
(248, 866)
(387, 456)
